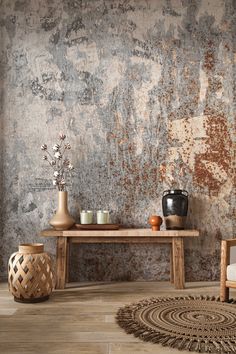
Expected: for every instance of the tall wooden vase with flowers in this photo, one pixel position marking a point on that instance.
(61, 166)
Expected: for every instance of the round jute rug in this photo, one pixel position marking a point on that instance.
(202, 324)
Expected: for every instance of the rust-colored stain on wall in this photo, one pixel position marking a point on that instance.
(144, 91)
(213, 167)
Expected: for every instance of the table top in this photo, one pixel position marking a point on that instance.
(122, 232)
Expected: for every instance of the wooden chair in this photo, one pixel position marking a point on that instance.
(227, 270)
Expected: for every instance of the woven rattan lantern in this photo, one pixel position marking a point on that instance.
(30, 275)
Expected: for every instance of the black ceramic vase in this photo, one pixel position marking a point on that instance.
(175, 208)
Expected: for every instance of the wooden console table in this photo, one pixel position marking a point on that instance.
(173, 237)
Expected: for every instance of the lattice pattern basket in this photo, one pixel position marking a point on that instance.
(30, 274)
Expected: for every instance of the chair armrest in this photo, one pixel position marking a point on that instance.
(225, 253)
(225, 260)
(230, 242)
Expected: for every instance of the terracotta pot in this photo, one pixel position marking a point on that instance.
(155, 221)
(30, 274)
(62, 220)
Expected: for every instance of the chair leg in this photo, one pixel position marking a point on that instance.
(224, 291)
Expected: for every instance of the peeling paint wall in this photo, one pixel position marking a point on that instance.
(145, 92)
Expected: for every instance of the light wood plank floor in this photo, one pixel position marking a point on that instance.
(82, 319)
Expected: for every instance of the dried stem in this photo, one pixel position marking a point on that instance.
(59, 167)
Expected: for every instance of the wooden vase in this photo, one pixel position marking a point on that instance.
(30, 274)
(62, 220)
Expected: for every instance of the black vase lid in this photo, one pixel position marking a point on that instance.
(175, 191)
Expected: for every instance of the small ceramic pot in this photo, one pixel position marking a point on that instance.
(155, 221)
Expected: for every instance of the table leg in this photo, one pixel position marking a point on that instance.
(67, 260)
(171, 265)
(61, 262)
(178, 262)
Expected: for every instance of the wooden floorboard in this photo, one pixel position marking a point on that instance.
(81, 319)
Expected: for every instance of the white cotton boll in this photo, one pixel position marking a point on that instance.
(44, 147)
(70, 167)
(56, 147)
(58, 155)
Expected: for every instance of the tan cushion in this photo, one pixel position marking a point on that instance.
(231, 272)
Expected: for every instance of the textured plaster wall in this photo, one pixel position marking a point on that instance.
(145, 92)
